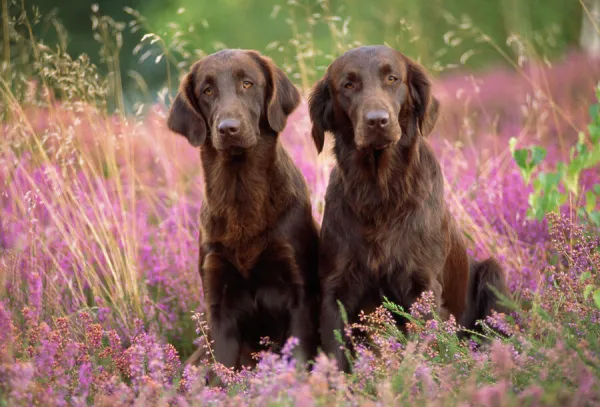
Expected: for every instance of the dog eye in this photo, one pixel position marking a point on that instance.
(392, 79)
(247, 84)
(349, 85)
(208, 91)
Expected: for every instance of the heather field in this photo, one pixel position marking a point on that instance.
(100, 295)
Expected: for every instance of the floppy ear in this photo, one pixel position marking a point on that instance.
(426, 107)
(184, 116)
(282, 96)
(431, 117)
(320, 110)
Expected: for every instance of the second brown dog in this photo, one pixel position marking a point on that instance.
(386, 229)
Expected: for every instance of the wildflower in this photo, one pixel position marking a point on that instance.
(93, 336)
(86, 378)
(21, 379)
(424, 305)
(450, 325)
(498, 321)
(502, 357)
(172, 362)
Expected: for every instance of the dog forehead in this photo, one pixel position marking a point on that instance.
(366, 59)
(229, 63)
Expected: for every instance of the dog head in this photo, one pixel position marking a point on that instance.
(233, 97)
(373, 92)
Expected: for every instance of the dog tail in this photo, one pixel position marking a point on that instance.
(481, 299)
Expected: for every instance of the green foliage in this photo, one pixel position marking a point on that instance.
(552, 189)
(590, 289)
(440, 33)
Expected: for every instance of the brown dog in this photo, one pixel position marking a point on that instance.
(259, 242)
(386, 230)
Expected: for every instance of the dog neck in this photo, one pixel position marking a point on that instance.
(237, 180)
(243, 196)
(386, 181)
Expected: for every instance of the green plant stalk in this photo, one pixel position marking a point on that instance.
(5, 34)
(301, 63)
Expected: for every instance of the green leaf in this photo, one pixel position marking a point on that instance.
(512, 142)
(580, 139)
(343, 312)
(338, 336)
(595, 217)
(537, 155)
(576, 164)
(594, 131)
(587, 291)
(571, 180)
(594, 109)
(562, 199)
(585, 276)
(594, 158)
(597, 188)
(548, 180)
(597, 298)
(537, 183)
(520, 157)
(590, 201)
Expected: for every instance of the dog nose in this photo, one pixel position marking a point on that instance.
(229, 127)
(377, 118)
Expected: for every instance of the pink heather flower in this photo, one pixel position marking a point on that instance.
(137, 364)
(70, 355)
(431, 325)
(86, 320)
(289, 346)
(156, 363)
(423, 376)
(424, 305)
(93, 336)
(586, 382)
(531, 396)
(191, 379)
(86, 378)
(303, 396)
(6, 329)
(34, 282)
(114, 342)
(325, 373)
(45, 357)
(20, 382)
(172, 362)
(450, 325)
(498, 322)
(491, 395)
(364, 365)
(103, 314)
(501, 356)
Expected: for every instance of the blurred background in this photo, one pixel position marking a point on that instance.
(135, 40)
(99, 202)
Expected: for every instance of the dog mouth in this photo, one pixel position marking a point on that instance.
(235, 151)
(378, 147)
(239, 147)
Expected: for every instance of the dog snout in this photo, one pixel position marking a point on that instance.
(377, 130)
(377, 119)
(229, 127)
